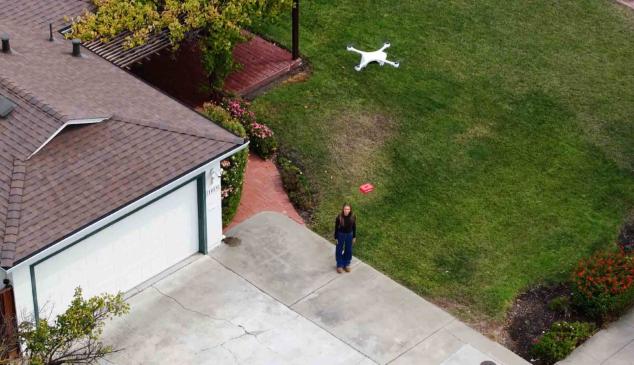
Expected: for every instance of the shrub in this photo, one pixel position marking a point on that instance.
(74, 336)
(222, 117)
(262, 141)
(295, 183)
(232, 168)
(561, 339)
(239, 109)
(231, 181)
(603, 285)
(560, 305)
(626, 236)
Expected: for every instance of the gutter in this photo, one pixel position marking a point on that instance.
(119, 212)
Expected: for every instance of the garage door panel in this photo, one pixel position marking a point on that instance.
(124, 254)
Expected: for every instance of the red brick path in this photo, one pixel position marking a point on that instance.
(629, 3)
(263, 191)
(182, 76)
(262, 63)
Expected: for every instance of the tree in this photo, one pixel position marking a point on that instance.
(74, 336)
(217, 24)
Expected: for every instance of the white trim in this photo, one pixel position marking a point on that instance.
(122, 211)
(70, 122)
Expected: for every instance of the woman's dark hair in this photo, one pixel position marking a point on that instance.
(351, 214)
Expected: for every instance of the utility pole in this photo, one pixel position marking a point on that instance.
(295, 29)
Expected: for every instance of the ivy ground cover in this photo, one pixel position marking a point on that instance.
(501, 150)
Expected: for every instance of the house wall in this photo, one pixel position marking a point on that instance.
(213, 205)
(123, 255)
(20, 275)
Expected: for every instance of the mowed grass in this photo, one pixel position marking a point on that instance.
(502, 150)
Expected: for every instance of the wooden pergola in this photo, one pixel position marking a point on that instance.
(115, 52)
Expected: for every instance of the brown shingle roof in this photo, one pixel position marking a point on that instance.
(88, 86)
(40, 13)
(91, 170)
(86, 171)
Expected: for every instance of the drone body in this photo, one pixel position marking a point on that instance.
(378, 56)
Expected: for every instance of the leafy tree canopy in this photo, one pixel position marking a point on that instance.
(217, 23)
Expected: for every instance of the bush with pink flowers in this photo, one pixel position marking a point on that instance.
(261, 137)
(232, 168)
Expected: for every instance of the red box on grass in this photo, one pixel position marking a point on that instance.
(366, 188)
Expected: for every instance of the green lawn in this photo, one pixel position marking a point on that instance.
(502, 150)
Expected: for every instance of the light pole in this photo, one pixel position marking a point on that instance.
(295, 29)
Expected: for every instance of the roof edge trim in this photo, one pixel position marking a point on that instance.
(69, 123)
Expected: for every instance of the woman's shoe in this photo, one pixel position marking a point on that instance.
(339, 271)
(347, 268)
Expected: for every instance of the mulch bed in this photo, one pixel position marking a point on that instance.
(530, 316)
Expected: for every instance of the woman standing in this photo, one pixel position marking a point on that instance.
(346, 235)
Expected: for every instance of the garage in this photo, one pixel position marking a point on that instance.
(123, 254)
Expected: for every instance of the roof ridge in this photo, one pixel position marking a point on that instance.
(164, 126)
(12, 224)
(32, 99)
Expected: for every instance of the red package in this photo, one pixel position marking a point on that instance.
(366, 188)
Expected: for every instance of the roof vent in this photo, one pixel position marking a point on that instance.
(6, 47)
(76, 47)
(6, 106)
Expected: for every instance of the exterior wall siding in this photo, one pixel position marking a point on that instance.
(122, 255)
(213, 205)
(20, 275)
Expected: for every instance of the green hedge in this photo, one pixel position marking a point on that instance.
(296, 184)
(233, 168)
(232, 182)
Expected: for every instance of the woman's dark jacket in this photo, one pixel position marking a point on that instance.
(346, 225)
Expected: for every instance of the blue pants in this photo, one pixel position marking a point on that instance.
(343, 251)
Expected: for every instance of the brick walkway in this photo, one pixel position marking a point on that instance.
(628, 3)
(263, 191)
(262, 63)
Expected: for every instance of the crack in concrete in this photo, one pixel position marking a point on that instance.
(193, 310)
(235, 358)
(292, 309)
(245, 331)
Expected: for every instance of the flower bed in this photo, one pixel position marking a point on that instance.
(604, 285)
(560, 340)
(545, 324)
(261, 137)
(232, 168)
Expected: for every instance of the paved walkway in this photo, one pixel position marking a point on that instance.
(611, 346)
(628, 3)
(263, 191)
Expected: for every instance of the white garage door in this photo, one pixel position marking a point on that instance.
(124, 254)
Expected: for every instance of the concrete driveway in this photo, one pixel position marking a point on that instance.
(275, 298)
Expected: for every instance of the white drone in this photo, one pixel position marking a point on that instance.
(378, 56)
